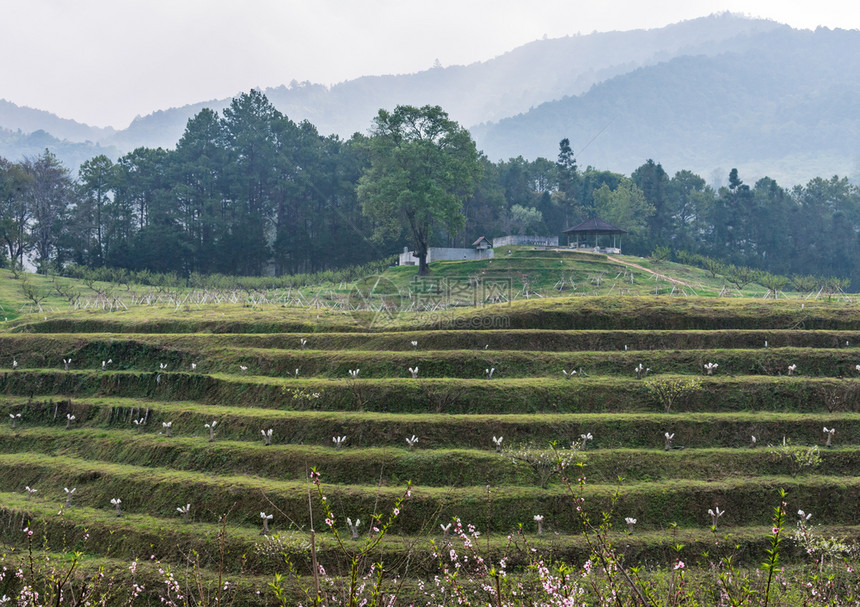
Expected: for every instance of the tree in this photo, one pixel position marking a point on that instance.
(252, 129)
(525, 220)
(423, 166)
(15, 211)
(625, 206)
(654, 183)
(568, 181)
(96, 183)
(50, 195)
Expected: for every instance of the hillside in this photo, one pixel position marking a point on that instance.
(484, 91)
(167, 405)
(786, 107)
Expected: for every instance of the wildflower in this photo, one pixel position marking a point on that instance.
(679, 565)
(539, 519)
(266, 518)
(585, 438)
(715, 515)
(353, 527)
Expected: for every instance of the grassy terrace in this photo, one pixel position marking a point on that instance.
(453, 408)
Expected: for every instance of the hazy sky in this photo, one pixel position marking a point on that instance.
(104, 61)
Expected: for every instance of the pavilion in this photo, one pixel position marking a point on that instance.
(594, 227)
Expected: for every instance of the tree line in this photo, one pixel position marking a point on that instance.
(250, 192)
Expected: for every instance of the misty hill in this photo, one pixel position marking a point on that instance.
(17, 145)
(480, 92)
(28, 120)
(787, 105)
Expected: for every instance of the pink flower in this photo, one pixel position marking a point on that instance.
(679, 565)
(396, 511)
(775, 530)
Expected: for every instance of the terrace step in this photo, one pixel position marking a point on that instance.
(124, 348)
(159, 492)
(730, 429)
(134, 536)
(395, 465)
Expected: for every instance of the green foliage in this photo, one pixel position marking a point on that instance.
(661, 254)
(544, 463)
(799, 459)
(670, 391)
(422, 166)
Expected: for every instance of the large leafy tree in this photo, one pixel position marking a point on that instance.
(423, 166)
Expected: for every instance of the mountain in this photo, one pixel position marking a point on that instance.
(29, 120)
(786, 104)
(707, 94)
(17, 145)
(490, 90)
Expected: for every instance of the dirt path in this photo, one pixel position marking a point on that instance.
(638, 267)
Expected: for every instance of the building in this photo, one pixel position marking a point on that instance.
(591, 230)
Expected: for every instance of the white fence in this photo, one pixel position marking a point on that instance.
(527, 241)
(446, 254)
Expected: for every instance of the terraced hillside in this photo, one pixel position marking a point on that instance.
(102, 429)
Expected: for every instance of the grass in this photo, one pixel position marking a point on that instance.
(453, 409)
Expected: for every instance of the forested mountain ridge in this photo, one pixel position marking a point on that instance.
(785, 106)
(477, 93)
